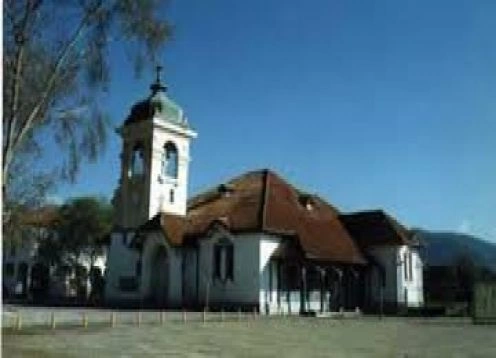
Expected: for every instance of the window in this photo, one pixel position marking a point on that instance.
(171, 196)
(223, 260)
(270, 275)
(408, 266)
(229, 249)
(217, 261)
(137, 165)
(170, 160)
(410, 270)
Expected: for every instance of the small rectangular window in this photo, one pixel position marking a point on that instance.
(405, 266)
(270, 275)
(410, 268)
(217, 261)
(230, 262)
(171, 196)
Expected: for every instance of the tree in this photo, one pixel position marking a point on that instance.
(82, 225)
(26, 194)
(55, 68)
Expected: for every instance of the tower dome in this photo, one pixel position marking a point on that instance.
(157, 105)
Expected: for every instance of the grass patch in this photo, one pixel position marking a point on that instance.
(286, 337)
(43, 329)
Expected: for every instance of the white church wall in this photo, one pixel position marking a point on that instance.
(175, 296)
(244, 288)
(386, 257)
(121, 264)
(153, 242)
(410, 277)
(398, 288)
(268, 274)
(190, 276)
(160, 185)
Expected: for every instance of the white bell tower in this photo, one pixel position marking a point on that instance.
(154, 160)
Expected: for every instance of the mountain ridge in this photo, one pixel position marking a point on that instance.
(443, 248)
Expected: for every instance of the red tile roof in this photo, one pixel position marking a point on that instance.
(260, 201)
(41, 217)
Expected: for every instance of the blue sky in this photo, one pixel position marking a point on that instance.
(371, 104)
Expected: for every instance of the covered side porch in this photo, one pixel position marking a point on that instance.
(294, 284)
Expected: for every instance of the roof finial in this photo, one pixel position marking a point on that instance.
(158, 86)
(158, 69)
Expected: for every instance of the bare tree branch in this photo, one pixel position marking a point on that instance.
(51, 81)
(50, 48)
(20, 41)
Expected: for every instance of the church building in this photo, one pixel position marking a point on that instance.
(252, 242)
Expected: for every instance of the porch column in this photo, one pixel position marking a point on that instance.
(322, 288)
(278, 283)
(345, 283)
(337, 294)
(303, 289)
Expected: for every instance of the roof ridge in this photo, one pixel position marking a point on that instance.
(364, 212)
(265, 193)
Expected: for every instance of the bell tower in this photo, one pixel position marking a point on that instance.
(154, 160)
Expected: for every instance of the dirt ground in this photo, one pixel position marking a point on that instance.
(249, 337)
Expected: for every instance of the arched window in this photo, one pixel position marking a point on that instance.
(170, 160)
(137, 165)
(223, 260)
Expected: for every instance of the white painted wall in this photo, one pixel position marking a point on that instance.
(190, 256)
(250, 286)
(252, 253)
(160, 186)
(139, 198)
(268, 297)
(386, 257)
(244, 289)
(410, 289)
(175, 277)
(391, 259)
(121, 262)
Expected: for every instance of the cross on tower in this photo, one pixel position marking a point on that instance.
(158, 86)
(158, 69)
